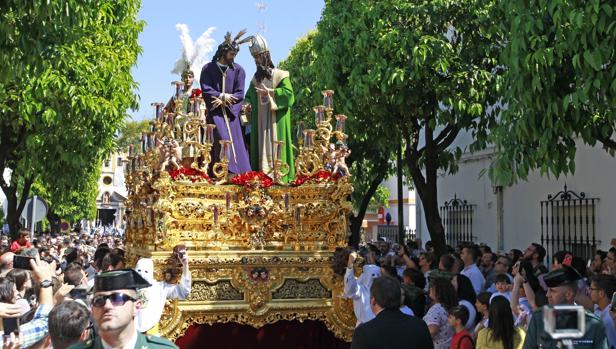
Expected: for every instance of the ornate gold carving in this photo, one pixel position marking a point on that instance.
(221, 290)
(295, 289)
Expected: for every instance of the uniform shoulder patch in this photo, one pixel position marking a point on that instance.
(160, 341)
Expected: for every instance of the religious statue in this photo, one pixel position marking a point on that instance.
(268, 103)
(342, 152)
(171, 154)
(193, 57)
(222, 83)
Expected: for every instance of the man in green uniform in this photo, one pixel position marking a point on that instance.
(114, 307)
(562, 288)
(268, 101)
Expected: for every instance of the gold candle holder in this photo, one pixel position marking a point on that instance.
(281, 168)
(221, 169)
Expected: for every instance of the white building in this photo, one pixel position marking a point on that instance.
(111, 192)
(535, 210)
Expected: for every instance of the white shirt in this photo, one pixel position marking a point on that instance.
(155, 297)
(359, 291)
(610, 329)
(504, 294)
(406, 310)
(130, 345)
(474, 274)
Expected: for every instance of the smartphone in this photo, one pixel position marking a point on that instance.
(22, 262)
(10, 325)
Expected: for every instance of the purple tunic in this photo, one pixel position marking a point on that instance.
(211, 84)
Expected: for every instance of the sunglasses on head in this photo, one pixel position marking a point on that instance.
(116, 298)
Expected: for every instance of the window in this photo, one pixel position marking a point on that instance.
(457, 217)
(107, 162)
(120, 161)
(107, 180)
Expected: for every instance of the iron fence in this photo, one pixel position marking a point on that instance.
(390, 232)
(457, 217)
(568, 223)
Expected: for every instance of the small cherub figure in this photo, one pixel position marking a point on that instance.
(329, 157)
(172, 154)
(342, 152)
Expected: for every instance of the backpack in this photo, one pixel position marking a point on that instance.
(465, 337)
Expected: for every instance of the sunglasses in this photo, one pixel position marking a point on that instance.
(116, 298)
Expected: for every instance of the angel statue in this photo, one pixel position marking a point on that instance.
(342, 153)
(194, 55)
(171, 154)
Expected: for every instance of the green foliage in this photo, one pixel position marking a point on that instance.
(130, 133)
(65, 87)
(560, 84)
(380, 198)
(420, 70)
(311, 72)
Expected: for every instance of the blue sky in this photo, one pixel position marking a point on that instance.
(284, 22)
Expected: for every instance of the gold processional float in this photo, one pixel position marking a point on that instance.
(260, 251)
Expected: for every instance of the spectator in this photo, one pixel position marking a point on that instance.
(562, 289)
(535, 254)
(426, 264)
(482, 304)
(488, 259)
(414, 296)
(23, 241)
(390, 329)
(503, 287)
(443, 296)
(597, 262)
(36, 329)
(458, 317)
(69, 324)
(602, 288)
(466, 298)
(6, 263)
(501, 332)
(469, 256)
(609, 266)
(515, 255)
(75, 276)
(502, 266)
(23, 284)
(112, 261)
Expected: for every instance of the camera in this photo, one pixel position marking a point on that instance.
(564, 321)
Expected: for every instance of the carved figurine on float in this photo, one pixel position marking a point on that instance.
(342, 152)
(330, 155)
(171, 154)
(154, 297)
(194, 56)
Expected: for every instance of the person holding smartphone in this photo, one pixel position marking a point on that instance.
(32, 332)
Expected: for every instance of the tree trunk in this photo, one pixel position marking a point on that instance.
(16, 206)
(357, 220)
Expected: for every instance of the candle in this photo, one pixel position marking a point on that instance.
(278, 150)
(143, 142)
(309, 138)
(319, 114)
(340, 121)
(286, 201)
(328, 99)
(228, 200)
(298, 215)
(215, 214)
(209, 134)
(170, 119)
(224, 148)
(191, 151)
(300, 130)
(130, 149)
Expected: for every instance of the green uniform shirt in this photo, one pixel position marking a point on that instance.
(537, 338)
(143, 342)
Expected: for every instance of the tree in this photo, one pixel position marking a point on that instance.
(420, 70)
(560, 85)
(130, 133)
(380, 198)
(370, 160)
(65, 87)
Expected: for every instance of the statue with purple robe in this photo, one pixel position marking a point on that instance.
(222, 83)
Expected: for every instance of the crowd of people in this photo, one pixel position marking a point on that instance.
(474, 297)
(74, 291)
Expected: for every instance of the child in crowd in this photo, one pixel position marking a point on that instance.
(458, 316)
(503, 287)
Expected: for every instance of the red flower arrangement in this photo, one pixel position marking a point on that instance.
(196, 93)
(319, 177)
(250, 177)
(191, 174)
